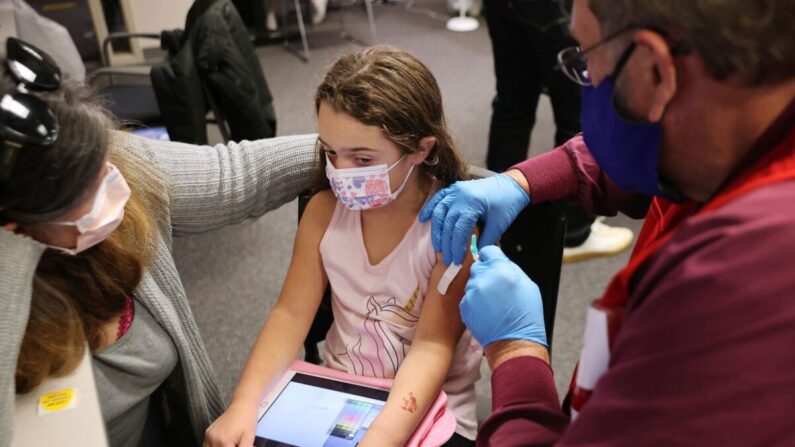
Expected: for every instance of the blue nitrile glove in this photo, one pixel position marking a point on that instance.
(496, 200)
(501, 302)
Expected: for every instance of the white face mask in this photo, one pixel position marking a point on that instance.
(105, 215)
(364, 188)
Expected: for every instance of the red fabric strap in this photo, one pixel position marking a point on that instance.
(126, 319)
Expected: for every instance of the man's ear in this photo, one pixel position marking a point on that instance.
(424, 149)
(661, 72)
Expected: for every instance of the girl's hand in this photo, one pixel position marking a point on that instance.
(236, 427)
(379, 438)
(12, 227)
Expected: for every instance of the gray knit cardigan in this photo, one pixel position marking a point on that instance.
(203, 188)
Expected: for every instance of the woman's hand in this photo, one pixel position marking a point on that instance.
(236, 427)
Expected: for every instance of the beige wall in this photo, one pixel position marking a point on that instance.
(153, 16)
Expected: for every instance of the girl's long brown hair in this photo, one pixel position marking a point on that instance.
(73, 296)
(387, 87)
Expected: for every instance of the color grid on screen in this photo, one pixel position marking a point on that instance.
(352, 417)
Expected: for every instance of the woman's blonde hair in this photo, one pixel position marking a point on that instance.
(73, 296)
(387, 87)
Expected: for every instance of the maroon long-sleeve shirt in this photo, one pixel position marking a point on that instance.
(707, 358)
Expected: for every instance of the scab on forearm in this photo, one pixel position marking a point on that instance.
(410, 403)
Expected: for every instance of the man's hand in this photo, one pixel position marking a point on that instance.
(457, 209)
(501, 302)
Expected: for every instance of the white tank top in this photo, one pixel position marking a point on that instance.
(377, 307)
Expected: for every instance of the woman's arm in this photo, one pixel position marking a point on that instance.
(425, 368)
(210, 187)
(285, 329)
(19, 256)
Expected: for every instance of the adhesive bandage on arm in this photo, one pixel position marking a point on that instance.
(452, 271)
(447, 278)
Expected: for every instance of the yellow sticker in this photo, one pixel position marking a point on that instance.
(57, 401)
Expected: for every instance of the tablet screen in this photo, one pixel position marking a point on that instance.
(314, 411)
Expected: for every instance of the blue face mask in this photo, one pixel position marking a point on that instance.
(627, 151)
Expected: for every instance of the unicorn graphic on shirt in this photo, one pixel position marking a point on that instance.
(379, 350)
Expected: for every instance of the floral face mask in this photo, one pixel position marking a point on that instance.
(364, 188)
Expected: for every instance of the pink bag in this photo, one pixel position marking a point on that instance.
(436, 427)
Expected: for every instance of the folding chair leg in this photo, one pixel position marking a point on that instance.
(284, 19)
(368, 4)
(302, 28)
(343, 31)
(371, 20)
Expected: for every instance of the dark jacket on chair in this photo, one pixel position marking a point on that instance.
(212, 65)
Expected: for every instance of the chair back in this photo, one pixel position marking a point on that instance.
(534, 242)
(228, 62)
(212, 65)
(180, 93)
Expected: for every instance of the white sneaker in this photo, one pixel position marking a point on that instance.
(604, 240)
(270, 21)
(318, 11)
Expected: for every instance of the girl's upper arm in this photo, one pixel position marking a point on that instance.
(440, 318)
(306, 276)
(210, 187)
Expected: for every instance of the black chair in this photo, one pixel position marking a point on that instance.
(126, 90)
(230, 69)
(211, 66)
(534, 242)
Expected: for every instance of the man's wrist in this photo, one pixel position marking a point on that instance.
(501, 351)
(519, 177)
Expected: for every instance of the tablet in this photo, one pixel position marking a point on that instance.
(307, 410)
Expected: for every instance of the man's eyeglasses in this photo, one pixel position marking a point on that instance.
(574, 63)
(24, 117)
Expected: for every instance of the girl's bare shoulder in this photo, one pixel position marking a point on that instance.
(320, 208)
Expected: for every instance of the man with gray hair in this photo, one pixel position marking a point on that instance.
(689, 119)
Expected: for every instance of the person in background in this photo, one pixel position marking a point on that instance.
(272, 7)
(383, 148)
(87, 218)
(688, 119)
(318, 11)
(526, 36)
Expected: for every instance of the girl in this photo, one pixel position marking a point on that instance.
(384, 148)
